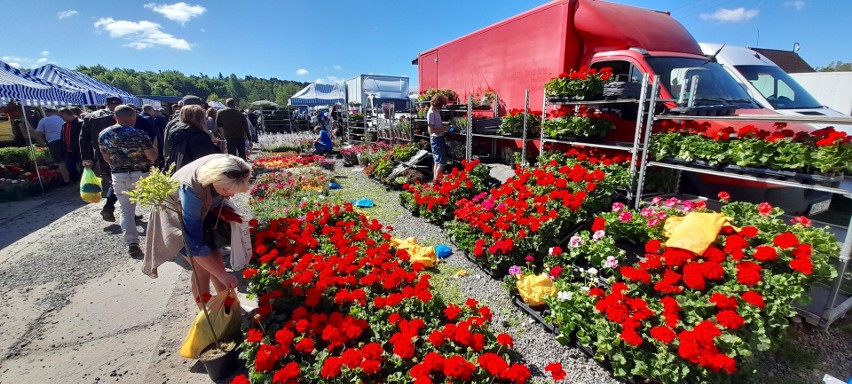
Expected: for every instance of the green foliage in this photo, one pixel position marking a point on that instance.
(156, 190)
(836, 66)
(23, 156)
(174, 83)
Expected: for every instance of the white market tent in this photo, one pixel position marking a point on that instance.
(264, 102)
(319, 94)
(96, 91)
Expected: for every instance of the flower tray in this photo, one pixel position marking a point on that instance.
(706, 165)
(537, 314)
(780, 174)
(820, 178)
(494, 274)
(746, 170)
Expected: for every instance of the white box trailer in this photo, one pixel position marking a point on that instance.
(367, 92)
(832, 89)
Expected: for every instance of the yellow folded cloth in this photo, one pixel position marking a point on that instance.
(534, 289)
(417, 252)
(695, 231)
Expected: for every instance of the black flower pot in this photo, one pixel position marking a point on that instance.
(221, 366)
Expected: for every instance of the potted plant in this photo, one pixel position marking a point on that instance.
(585, 84)
(585, 124)
(513, 123)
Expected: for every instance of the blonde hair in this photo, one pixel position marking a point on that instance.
(195, 116)
(439, 100)
(227, 172)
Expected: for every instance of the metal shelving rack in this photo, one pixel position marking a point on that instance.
(824, 309)
(645, 100)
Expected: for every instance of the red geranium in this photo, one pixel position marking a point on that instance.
(555, 370)
(748, 273)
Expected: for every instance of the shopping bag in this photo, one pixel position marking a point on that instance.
(240, 245)
(535, 288)
(225, 316)
(90, 186)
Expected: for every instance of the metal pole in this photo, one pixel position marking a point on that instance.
(543, 117)
(638, 135)
(842, 263)
(649, 125)
(32, 149)
(469, 138)
(524, 134)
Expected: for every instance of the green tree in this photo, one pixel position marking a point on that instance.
(836, 66)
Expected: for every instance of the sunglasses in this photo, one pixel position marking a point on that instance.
(237, 174)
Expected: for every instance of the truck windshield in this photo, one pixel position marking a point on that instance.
(715, 85)
(778, 87)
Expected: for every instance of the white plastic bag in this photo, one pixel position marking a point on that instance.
(240, 245)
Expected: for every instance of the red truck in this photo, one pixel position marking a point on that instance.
(527, 50)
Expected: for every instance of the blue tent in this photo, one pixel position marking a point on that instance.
(32, 91)
(96, 91)
(320, 94)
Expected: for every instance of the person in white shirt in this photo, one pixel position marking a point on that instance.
(50, 130)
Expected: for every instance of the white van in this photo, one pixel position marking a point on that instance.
(768, 84)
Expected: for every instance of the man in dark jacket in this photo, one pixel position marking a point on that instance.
(71, 143)
(235, 127)
(158, 122)
(93, 124)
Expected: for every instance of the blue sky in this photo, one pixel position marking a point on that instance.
(333, 40)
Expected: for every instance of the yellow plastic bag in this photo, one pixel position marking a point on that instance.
(417, 252)
(225, 321)
(695, 231)
(90, 186)
(534, 289)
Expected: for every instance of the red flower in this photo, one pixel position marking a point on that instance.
(764, 209)
(724, 196)
(267, 356)
(753, 298)
(735, 243)
(471, 303)
(436, 338)
(631, 337)
(748, 232)
(331, 367)
(556, 371)
(653, 246)
(723, 301)
(764, 253)
(599, 224)
(664, 334)
(729, 319)
(518, 374)
(290, 372)
(241, 379)
(254, 335)
(459, 368)
(786, 240)
(748, 273)
(371, 367)
(505, 340)
(404, 349)
(556, 271)
(452, 312)
(803, 265)
(305, 345)
(351, 357)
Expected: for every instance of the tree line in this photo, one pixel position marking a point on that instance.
(211, 88)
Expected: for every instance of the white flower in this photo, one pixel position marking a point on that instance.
(585, 289)
(592, 271)
(550, 251)
(575, 241)
(598, 235)
(565, 296)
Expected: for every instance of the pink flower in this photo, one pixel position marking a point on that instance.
(617, 206)
(653, 222)
(529, 258)
(656, 200)
(647, 212)
(625, 216)
(688, 206)
(672, 201)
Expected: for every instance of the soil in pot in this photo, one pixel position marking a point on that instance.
(220, 361)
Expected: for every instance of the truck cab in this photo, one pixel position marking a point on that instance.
(768, 84)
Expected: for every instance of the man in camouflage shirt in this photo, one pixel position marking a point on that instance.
(129, 153)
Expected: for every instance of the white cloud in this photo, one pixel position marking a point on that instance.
(65, 14)
(24, 62)
(141, 34)
(798, 4)
(337, 67)
(45, 53)
(203, 30)
(724, 15)
(301, 71)
(180, 12)
(329, 80)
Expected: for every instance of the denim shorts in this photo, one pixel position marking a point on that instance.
(439, 149)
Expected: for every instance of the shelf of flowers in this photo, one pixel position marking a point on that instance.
(18, 178)
(381, 159)
(819, 157)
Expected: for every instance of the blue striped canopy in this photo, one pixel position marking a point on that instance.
(96, 91)
(17, 85)
(319, 94)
